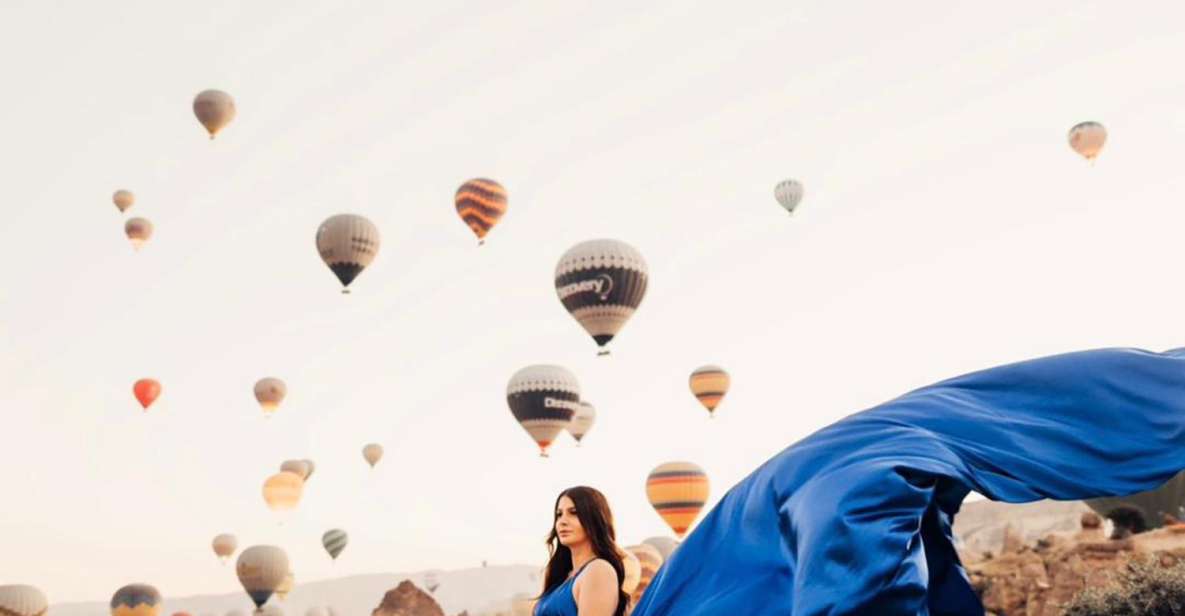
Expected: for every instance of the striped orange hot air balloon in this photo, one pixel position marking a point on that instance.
(709, 384)
(678, 492)
(481, 203)
(146, 391)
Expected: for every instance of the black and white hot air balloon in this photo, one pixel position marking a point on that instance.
(601, 283)
(543, 398)
(347, 243)
(788, 193)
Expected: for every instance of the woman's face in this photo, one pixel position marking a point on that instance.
(567, 525)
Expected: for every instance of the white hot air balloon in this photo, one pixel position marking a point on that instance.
(22, 600)
(347, 243)
(601, 283)
(582, 421)
(214, 109)
(372, 453)
(262, 570)
(788, 193)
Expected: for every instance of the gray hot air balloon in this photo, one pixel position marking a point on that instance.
(22, 600)
(214, 109)
(312, 467)
(543, 398)
(270, 392)
(299, 467)
(138, 230)
(335, 541)
(601, 283)
(789, 194)
(136, 600)
(347, 243)
(665, 546)
(123, 199)
(261, 570)
(1145, 510)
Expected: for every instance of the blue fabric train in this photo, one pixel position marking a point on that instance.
(856, 518)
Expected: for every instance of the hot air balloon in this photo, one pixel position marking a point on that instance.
(543, 399)
(372, 453)
(261, 570)
(1146, 509)
(709, 384)
(431, 583)
(299, 467)
(22, 600)
(136, 600)
(480, 203)
(1087, 138)
(225, 546)
(335, 541)
(123, 199)
(283, 490)
(214, 109)
(582, 421)
(312, 467)
(665, 546)
(286, 586)
(650, 560)
(146, 392)
(138, 230)
(633, 572)
(788, 193)
(270, 392)
(347, 243)
(677, 491)
(601, 283)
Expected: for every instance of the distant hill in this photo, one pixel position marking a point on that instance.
(478, 590)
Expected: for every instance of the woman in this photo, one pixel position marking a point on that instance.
(856, 518)
(585, 571)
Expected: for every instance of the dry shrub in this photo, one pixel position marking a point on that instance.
(1142, 588)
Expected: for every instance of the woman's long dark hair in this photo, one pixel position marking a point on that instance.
(593, 511)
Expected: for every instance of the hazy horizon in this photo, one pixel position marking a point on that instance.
(946, 227)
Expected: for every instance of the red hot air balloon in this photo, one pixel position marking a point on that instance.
(146, 391)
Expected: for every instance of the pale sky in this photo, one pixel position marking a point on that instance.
(947, 226)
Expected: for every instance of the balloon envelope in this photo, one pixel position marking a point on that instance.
(347, 243)
(709, 384)
(225, 546)
(270, 392)
(146, 391)
(372, 453)
(299, 467)
(123, 199)
(665, 546)
(22, 600)
(283, 490)
(788, 193)
(543, 398)
(1087, 138)
(678, 492)
(481, 203)
(261, 570)
(138, 230)
(601, 283)
(214, 109)
(335, 541)
(136, 600)
(582, 421)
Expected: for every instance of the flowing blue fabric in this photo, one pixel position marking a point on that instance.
(856, 518)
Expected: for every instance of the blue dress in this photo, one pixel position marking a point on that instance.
(856, 518)
(560, 602)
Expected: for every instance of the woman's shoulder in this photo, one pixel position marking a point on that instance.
(599, 568)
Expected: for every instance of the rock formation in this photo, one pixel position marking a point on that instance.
(407, 600)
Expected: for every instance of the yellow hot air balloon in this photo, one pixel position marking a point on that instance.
(123, 199)
(136, 600)
(262, 570)
(225, 546)
(678, 492)
(1087, 138)
(286, 586)
(23, 600)
(139, 230)
(214, 109)
(709, 384)
(372, 453)
(283, 490)
(270, 392)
